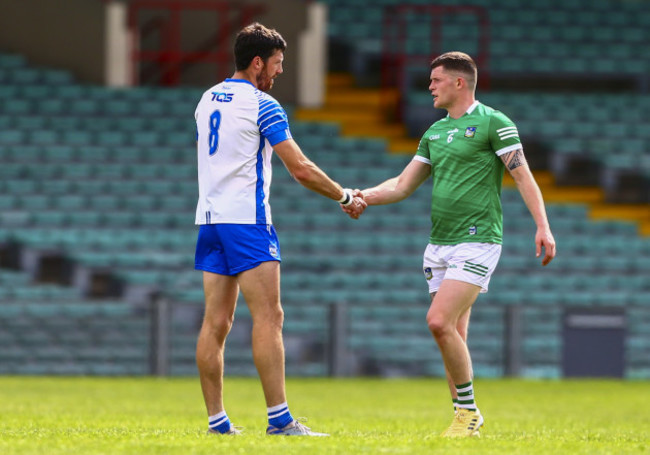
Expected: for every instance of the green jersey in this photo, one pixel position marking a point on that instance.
(467, 174)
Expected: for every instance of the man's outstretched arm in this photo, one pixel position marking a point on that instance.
(400, 187)
(309, 175)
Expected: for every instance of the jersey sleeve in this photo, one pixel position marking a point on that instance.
(422, 153)
(273, 121)
(503, 134)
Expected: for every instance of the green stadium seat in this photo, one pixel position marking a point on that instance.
(91, 153)
(95, 124)
(120, 219)
(120, 108)
(140, 202)
(90, 188)
(56, 187)
(7, 123)
(18, 186)
(159, 187)
(178, 139)
(124, 188)
(52, 107)
(56, 77)
(84, 219)
(83, 107)
(128, 154)
(70, 91)
(174, 203)
(151, 108)
(104, 202)
(70, 202)
(111, 138)
(35, 202)
(9, 137)
(17, 106)
(144, 138)
(8, 201)
(8, 61)
(26, 76)
(164, 155)
(144, 171)
(111, 171)
(178, 171)
(77, 137)
(59, 153)
(75, 171)
(49, 218)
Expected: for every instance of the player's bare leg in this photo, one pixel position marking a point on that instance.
(451, 303)
(462, 330)
(462, 327)
(220, 300)
(261, 289)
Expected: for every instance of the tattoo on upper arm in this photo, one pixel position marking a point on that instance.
(514, 159)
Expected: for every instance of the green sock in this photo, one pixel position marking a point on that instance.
(466, 396)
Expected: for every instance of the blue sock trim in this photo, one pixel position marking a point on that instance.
(280, 418)
(221, 424)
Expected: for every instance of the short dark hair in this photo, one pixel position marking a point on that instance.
(459, 62)
(256, 40)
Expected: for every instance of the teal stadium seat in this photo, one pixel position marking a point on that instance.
(76, 137)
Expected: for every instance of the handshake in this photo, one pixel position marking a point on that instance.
(356, 203)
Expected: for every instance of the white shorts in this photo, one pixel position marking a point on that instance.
(469, 262)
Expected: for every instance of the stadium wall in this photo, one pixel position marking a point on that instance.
(66, 34)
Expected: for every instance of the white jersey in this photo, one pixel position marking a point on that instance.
(237, 125)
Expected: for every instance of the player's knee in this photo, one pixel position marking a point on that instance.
(219, 325)
(272, 316)
(438, 326)
(276, 317)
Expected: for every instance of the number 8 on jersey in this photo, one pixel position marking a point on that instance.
(213, 140)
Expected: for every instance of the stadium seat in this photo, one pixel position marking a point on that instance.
(77, 137)
(84, 219)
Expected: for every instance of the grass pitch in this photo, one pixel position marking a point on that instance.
(364, 416)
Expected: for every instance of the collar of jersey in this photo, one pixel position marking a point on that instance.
(239, 80)
(470, 109)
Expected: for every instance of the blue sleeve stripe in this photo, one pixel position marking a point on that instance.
(270, 116)
(265, 111)
(274, 123)
(271, 119)
(266, 103)
(267, 106)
